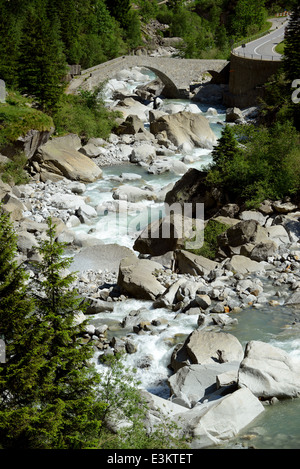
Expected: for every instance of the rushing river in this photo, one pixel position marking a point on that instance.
(277, 427)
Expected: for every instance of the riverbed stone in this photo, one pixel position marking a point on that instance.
(208, 424)
(106, 256)
(284, 207)
(136, 278)
(269, 371)
(243, 265)
(218, 421)
(198, 382)
(61, 157)
(278, 234)
(246, 231)
(144, 153)
(133, 194)
(262, 251)
(185, 128)
(253, 215)
(164, 235)
(294, 298)
(189, 263)
(203, 347)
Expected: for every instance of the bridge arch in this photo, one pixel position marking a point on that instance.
(170, 89)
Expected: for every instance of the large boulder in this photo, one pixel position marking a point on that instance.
(189, 263)
(246, 231)
(278, 234)
(209, 424)
(104, 257)
(144, 153)
(131, 125)
(28, 143)
(262, 251)
(269, 371)
(136, 278)
(193, 189)
(13, 206)
(185, 128)
(218, 421)
(243, 265)
(130, 106)
(234, 114)
(60, 156)
(210, 347)
(207, 348)
(198, 382)
(164, 235)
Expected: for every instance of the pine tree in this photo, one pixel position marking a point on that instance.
(42, 64)
(226, 149)
(47, 385)
(67, 382)
(291, 58)
(10, 36)
(23, 355)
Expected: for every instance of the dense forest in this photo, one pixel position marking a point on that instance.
(38, 38)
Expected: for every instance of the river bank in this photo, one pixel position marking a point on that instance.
(90, 218)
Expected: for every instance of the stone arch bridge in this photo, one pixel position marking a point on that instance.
(176, 74)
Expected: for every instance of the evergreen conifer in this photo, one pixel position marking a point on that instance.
(42, 64)
(23, 353)
(226, 148)
(47, 385)
(291, 58)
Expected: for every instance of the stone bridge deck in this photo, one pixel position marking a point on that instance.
(176, 74)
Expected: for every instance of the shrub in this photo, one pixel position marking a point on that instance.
(84, 115)
(13, 171)
(210, 246)
(17, 117)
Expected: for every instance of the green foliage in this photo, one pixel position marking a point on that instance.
(17, 117)
(47, 389)
(13, 172)
(125, 404)
(119, 9)
(291, 58)
(248, 18)
(148, 9)
(226, 149)
(212, 230)
(42, 64)
(85, 115)
(18, 374)
(266, 166)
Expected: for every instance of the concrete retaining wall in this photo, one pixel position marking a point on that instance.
(247, 76)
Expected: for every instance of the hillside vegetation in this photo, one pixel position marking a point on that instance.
(38, 38)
